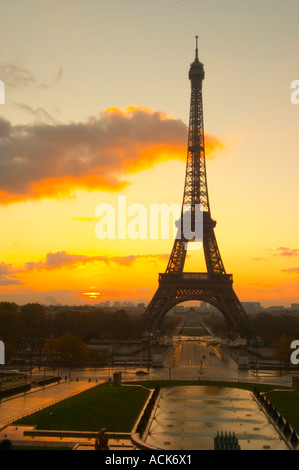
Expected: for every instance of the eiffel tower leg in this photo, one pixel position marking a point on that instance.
(231, 308)
(217, 291)
(160, 304)
(210, 246)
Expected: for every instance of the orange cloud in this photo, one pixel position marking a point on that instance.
(284, 251)
(7, 275)
(62, 258)
(63, 187)
(49, 161)
(291, 270)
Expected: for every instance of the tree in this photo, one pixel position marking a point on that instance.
(34, 320)
(10, 324)
(68, 347)
(283, 350)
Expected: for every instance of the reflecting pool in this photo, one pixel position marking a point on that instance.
(188, 418)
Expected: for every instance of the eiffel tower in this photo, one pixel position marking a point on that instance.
(213, 286)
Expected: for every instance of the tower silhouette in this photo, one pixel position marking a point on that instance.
(213, 286)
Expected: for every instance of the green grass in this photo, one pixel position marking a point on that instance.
(151, 384)
(287, 404)
(113, 407)
(193, 331)
(117, 407)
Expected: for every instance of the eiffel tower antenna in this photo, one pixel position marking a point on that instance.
(214, 286)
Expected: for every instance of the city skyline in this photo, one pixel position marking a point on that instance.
(96, 106)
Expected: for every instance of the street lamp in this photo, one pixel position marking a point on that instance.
(70, 358)
(25, 378)
(1, 382)
(44, 381)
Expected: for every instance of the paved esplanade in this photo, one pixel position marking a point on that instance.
(187, 359)
(196, 358)
(189, 418)
(16, 407)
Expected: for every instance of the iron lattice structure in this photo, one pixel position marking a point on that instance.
(214, 286)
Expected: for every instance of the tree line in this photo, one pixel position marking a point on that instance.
(269, 327)
(64, 333)
(30, 322)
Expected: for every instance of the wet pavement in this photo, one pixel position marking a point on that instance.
(16, 407)
(188, 418)
(196, 358)
(16, 435)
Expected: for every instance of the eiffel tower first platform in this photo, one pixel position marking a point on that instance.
(213, 286)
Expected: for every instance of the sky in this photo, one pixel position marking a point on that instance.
(97, 101)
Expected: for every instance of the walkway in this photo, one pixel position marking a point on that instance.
(14, 407)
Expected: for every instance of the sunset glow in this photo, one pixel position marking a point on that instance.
(79, 129)
(92, 295)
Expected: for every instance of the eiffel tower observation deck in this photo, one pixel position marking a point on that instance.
(214, 286)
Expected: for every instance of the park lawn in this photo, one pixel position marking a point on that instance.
(107, 405)
(194, 331)
(287, 404)
(151, 384)
(118, 407)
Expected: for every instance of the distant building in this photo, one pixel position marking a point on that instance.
(179, 308)
(204, 307)
(252, 307)
(128, 304)
(276, 308)
(295, 307)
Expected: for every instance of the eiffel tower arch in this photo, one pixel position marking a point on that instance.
(214, 286)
